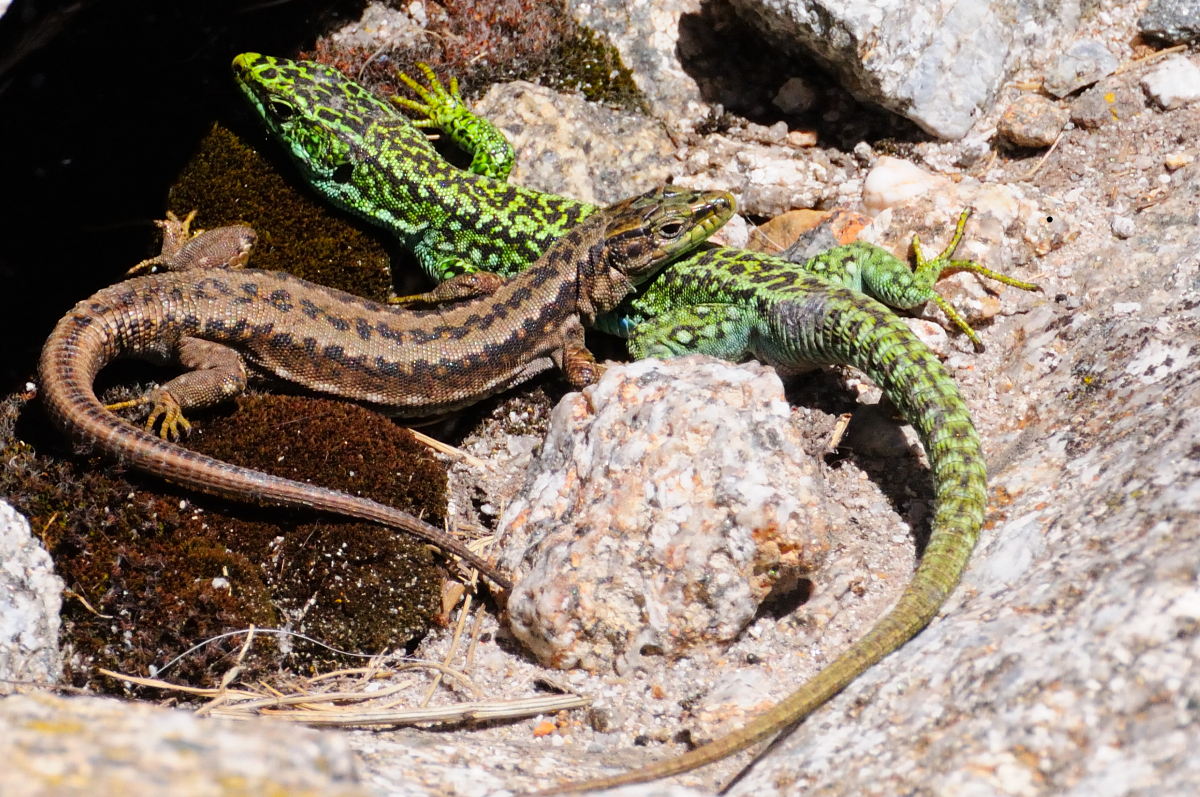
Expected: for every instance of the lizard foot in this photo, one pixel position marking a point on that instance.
(174, 425)
(176, 233)
(492, 154)
(439, 106)
(942, 264)
(167, 408)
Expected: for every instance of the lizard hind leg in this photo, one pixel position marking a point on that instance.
(929, 271)
(217, 375)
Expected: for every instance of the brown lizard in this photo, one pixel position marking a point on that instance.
(227, 324)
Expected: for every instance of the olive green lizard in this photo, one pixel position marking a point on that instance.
(359, 152)
(227, 324)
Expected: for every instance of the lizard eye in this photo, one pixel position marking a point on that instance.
(282, 110)
(343, 173)
(671, 229)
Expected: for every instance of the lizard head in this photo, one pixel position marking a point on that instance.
(646, 231)
(326, 121)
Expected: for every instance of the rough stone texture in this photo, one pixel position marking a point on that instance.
(1033, 121)
(1174, 83)
(30, 602)
(569, 146)
(939, 65)
(1108, 101)
(1172, 21)
(558, 139)
(892, 181)
(767, 180)
(381, 25)
(668, 501)
(647, 37)
(1083, 64)
(100, 747)
(1069, 660)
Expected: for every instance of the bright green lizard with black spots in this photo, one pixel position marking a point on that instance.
(365, 156)
(227, 324)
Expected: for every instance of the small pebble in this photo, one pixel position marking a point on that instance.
(1111, 100)
(795, 96)
(1084, 63)
(1123, 226)
(777, 234)
(1178, 160)
(894, 181)
(1033, 121)
(1174, 84)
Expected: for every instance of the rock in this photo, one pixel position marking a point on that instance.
(1123, 226)
(795, 96)
(1171, 21)
(647, 35)
(566, 145)
(840, 227)
(103, 747)
(1033, 121)
(557, 137)
(30, 601)
(893, 181)
(1174, 83)
(1106, 102)
(382, 26)
(668, 501)
(777, 234)
(776, 134)
(1177, 160)
(767, 180)
(1085, 63)
(937, 64)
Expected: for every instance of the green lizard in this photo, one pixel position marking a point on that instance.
(360, 153)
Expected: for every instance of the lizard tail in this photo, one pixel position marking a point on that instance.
(88, 338)
(839, 326)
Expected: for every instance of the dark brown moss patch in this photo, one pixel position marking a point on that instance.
(332, 443)
(482, 43)
(355, 586)
(227, 182)
(164, 569)
(142, 579)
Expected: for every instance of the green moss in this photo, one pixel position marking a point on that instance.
(227, 182)
(588, 63)
(337, 444)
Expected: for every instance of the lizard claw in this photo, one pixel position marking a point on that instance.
(439, 104)
(174, 425)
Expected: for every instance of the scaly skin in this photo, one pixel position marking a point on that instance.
(724, 302)
(225, 324)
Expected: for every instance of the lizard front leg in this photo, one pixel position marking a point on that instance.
(492, 153)
(216, 373)
(578, 365)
